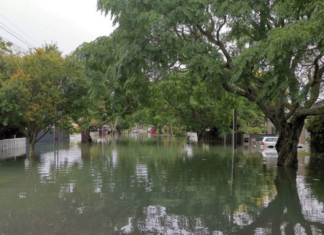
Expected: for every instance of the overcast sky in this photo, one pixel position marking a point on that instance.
(68, 23)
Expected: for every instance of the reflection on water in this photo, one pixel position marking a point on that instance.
(159, 185)
(312, 209)
(156, 220)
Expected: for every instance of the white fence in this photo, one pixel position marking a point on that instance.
(12, 147)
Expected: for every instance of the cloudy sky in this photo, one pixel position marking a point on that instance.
(69, 23)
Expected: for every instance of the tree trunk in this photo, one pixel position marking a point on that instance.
(114, 126)
(287, 143)
(32, 143)
(85, 152)
(201, 134)
(85, 136)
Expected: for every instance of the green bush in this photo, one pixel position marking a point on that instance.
(315, 126)
(179, 133)
(250, 130)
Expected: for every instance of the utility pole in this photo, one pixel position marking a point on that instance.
(234, 151)
(233, 173)
(235, 129)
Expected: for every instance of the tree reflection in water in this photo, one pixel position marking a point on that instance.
(285, 211)
(290, 212)
(283, 215)
(158, 187)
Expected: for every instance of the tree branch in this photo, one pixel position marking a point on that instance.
(45, 132)
(217, 43)
(311, 112)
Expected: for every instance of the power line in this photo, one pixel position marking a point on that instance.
(16, 34)
(19, 29)
(6, 40)
(17, 37)
(17, 50)
(19, 47)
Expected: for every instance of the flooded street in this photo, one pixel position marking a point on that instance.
(158, 185)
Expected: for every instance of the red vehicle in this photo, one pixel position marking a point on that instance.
(153, 131)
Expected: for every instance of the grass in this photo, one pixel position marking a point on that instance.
(303, 153)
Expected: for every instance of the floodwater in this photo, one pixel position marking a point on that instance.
(158, 185)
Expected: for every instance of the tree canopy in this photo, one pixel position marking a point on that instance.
(192, 102)
(39, 94)
(109, 97)
(270, 52)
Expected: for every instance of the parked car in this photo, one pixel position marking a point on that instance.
(270, 142)
(267, 141)
(149, 129)
(153, 131)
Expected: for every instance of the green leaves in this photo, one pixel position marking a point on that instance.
(269, 52)
(40, 92)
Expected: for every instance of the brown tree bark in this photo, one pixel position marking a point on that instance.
(287, 143)
(32, 143)
(114, 130)
(85, 136)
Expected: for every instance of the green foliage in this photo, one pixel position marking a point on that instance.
(269, 52)
(179, 133)
(109, 96)
(193, 102)
(181, 100)
(250, 130)
(40, 93)
(261, 48)
(8, 60)
(5, 47)
(315, 126)
(303, 153)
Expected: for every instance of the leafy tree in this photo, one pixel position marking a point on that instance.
(250, 118)
(4, 47)
(8, 62)
(110, 98)
(193, 103)
(38, 95)
(270, 52)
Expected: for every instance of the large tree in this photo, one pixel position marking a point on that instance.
(270, 52)
(195, 104)
(109, 97)
(39, 94)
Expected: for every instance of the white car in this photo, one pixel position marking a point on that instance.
(269, 141)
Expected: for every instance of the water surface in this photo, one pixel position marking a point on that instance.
(158, 185)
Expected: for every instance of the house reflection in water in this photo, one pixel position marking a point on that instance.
(141, 172)
(157, 221)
